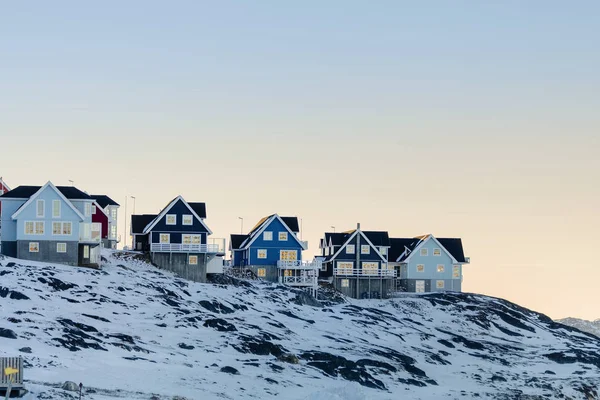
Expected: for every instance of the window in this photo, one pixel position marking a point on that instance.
(93, 209)
(350, 249)
(287, 272)
(440, 268)
(420, 268)
(327, 249)
(55, 208)
(193, 260)
(383, 250)
(40, 208)
(57, 228)
(67, 228)
(439, 284)
(34, 247)
(61, 247)
(171, 219)
(196, 239)
(165, 238)
(456, 271)
(283, 236)
(88, 210)
(187, 219)
(268, 236)
(365, 249)
(261, 272)
(113, 213)
(262, 253)
(186, 239)
(370, 268)
(424, 252)
(39, 228)
(288, 255)
(345, 282)
(345, 267)
(29, 227)
(437, 252)
(113, 232)
(86, 251)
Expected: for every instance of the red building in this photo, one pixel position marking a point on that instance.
(3, 189)
(100, 216)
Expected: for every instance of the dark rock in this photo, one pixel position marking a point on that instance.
(498, 378)
(78, 325)
(11, 294)
(26, 350)
(220, 324)
(95, 317)
(57, 284)
(288, 358)
(7, 333)
(230, 370)
(70, 386)
(272, 381)
(13, 320)
(216, 307)
(185, 346)
(292, 315)
(258, 346)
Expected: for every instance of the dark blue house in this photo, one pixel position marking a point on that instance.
(273, 239)
(357, 263)
(177, 239)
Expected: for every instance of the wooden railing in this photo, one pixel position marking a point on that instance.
(299, 280)
(298, 264)
(184, 248)
(380, 273)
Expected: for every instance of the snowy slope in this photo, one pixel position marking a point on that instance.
(131, 331)
(592, 327)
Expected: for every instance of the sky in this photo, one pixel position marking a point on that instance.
(471, 119)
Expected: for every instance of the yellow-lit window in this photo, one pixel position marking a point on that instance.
(440, 268)
(439, 284)
(34, 247)
(186, 239)
(262, 253)
(56, 228)
(345, 267)
(29, 228)
(193, 260)
(165, 238)
(424, 252)
(437, 252)
(420, 268)
(370, 268)
(283, 236)
(187, 220)
(345, 282)
(67, 228)
(39, 228)
(261, 272)
(365, 249)
(171, 219)
(456, 271)
(350, 249)
(196, 239)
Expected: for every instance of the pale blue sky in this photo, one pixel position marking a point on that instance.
(465, 118)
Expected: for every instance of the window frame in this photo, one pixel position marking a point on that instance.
(160, 237)
(43, 225)
(424, 252)
(363, 247)
(58, 224)
(87, 209)
(440, 286)
(58, 247)
(258, 254)
(350, 247)
(86, 251)
(36, 245)
(32, 228)
(345, 283)
(423, 268)
(285, 234)
(261, 272)
(369, 264)
(54, 203)
(190, 258)
(383, 250)
(443, 268)
(269, 234)
(174, 216)
(183, 219)
(70, 225)
(438, 250)
(456, 271)
(345, 268)
(37, 208)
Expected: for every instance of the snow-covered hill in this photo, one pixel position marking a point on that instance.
(131, 331)
(592, 327)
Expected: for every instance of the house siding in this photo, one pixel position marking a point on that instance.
(9, 226)
(179, 209)
(101, 218)
(273, 247)
(47, 251)
(178, 263)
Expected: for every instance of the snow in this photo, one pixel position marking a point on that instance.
(418, 346)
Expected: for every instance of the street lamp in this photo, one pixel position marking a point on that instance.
(333, 227)
(242, 227)
(133, 197)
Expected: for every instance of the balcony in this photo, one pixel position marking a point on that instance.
(184, 248)
(297, 264)
(303, 281)
(365, 273)
(90, 233)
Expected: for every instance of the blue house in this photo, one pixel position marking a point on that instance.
(177, 240)
(272, 240)
(428, 264)
(50, 223)
(357, 263)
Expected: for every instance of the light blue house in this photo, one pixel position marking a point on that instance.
(428, 264)
(272, 240)
(51, 224)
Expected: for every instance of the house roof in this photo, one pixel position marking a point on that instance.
(25, 192)
(139, 222)
(292, 223)
(454, 247)
(337, 239)
(399, 246)
(403, 247)
(237, 241)
(168, 207)
(60, 194)
(103, 200)
(264, 222)
(199, 209)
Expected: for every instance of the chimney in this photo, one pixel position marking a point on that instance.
(358, 226)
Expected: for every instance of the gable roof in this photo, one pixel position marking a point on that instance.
(167, 208)
(199, 209)
(401, 248)
(455, 244)
(336, 239)
(2, 183)
(103, 200)
(236, 241)
(60, 194)
(25, 192)
(454, 247)
(351, 234)
(139, 222)
(262, 225)
(378, 238)
(292, 223)
(98, 207)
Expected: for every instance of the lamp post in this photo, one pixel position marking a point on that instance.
(133, 197)
(242, 227)
(72, 182)
(333, 227)
(125, 226)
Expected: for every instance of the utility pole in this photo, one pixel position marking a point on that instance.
(242, 227)
(133, 197)
(333, 227)
(125, 238)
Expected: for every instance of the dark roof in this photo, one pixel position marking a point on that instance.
(399, 246)
(139, 222)
(103, 200)
(292, 223)
(454, 247)
(237, 240)
(199, 208)
(378, 238)
(337, 239)
(25, 192)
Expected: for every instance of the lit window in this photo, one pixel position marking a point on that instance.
(196, 239)
(171, 219)
(440, 268)
(383, 250)
(113, 213)
(86, 251)
(268, 236)
(113, 232)
(437, 252)
(67, 228)
(193, 260)
(40, 209)
(34, 247)
(29, 228)
(365, 249)
(55, 208)
(57, 228)
(420, 268)
(88, 210)
(261, 272)
(345, 282)
(439, 284)
(262, 253)
(287, 272)
(186, 239)
(456, 271)
(187, 219)
(350, 249)
(424, 252)
(345, 267)
(61, 247)
(370, 268)
(39, 228)
(165, 238)
(288, 255)
(283, 236)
